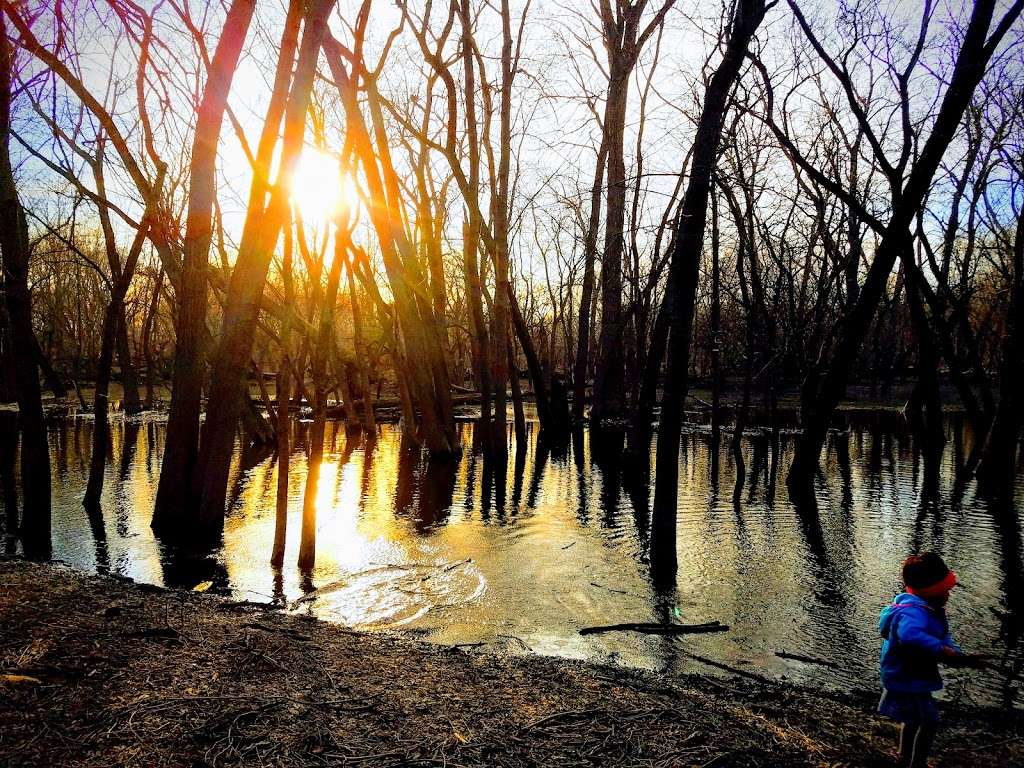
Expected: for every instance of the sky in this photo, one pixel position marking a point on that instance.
(555, 132)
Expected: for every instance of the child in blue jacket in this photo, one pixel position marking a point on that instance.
(916, 638)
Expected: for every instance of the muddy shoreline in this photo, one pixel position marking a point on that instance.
(101, 671)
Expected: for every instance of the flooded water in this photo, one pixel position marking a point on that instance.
(457, 552)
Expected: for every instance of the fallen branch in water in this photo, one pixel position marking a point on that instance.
(648, 628)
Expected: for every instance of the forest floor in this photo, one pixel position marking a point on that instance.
(96, 672)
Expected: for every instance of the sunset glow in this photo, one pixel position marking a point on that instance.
(319, 189)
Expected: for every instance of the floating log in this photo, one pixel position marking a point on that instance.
(649, 628)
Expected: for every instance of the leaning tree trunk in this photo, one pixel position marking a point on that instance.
(173, 506)
(424, 356)
(14, 251)
(821, 402)
(685, 269)
(259, 238)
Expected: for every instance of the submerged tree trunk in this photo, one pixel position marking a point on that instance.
(259, 238)
(823, 398)
(925, 406)
(517, 397)
(121, 277)
(324, 346)
(582, 362)
(173, 508)
(129, 381)
(147, 338)
(101, 426)
(283, 445)
(14, 251)
(715, 340)
(609, 400)
(998, 466)
(685, 266)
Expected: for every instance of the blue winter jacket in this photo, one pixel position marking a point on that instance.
(914, 633)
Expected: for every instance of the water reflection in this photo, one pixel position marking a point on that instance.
(466, 550)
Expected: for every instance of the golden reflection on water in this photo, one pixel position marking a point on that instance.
(461, 552)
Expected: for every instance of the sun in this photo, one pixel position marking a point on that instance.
(320, 191)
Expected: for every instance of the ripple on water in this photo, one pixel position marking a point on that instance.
(460, 553)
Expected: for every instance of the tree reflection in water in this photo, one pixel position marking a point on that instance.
(464, 550)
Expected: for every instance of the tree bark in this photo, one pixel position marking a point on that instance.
(259, 238)
(129, 380)
(998, 467)
(582, 362)
(173, 508)
(685, 266)
(14, 251)
(822, 400)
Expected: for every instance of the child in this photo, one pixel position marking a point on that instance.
(917, 638)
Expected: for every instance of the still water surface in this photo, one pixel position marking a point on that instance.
(456, 553)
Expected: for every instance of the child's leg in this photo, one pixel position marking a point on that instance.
(922, 745)
(908, 735)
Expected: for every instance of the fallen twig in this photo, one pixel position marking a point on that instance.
(648, 628)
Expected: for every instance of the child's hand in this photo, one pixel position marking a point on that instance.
(954, 658)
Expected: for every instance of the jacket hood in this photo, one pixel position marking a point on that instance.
(901, 602)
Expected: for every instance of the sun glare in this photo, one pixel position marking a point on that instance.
(319, 189)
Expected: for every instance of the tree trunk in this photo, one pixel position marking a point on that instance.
(685, 266)
(324, 345)
(998, 467)
(283, 456)
(609, 384)
(582, 362)
(147, 338)
(173, 508)
(925, 406)
(101, 402)
(50, 376)
(823, 399)
(359, 342)
(129, 381)
(14, 250)
(716, 330)
(283, 407)
(517, 397)
(259, 238)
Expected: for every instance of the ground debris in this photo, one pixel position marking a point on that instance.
(284, 691)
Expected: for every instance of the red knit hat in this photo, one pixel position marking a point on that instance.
(927, 576)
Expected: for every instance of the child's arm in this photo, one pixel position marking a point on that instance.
(912, 630)
(951, 643)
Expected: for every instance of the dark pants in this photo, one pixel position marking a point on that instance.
(919, 717)
(915, 744)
